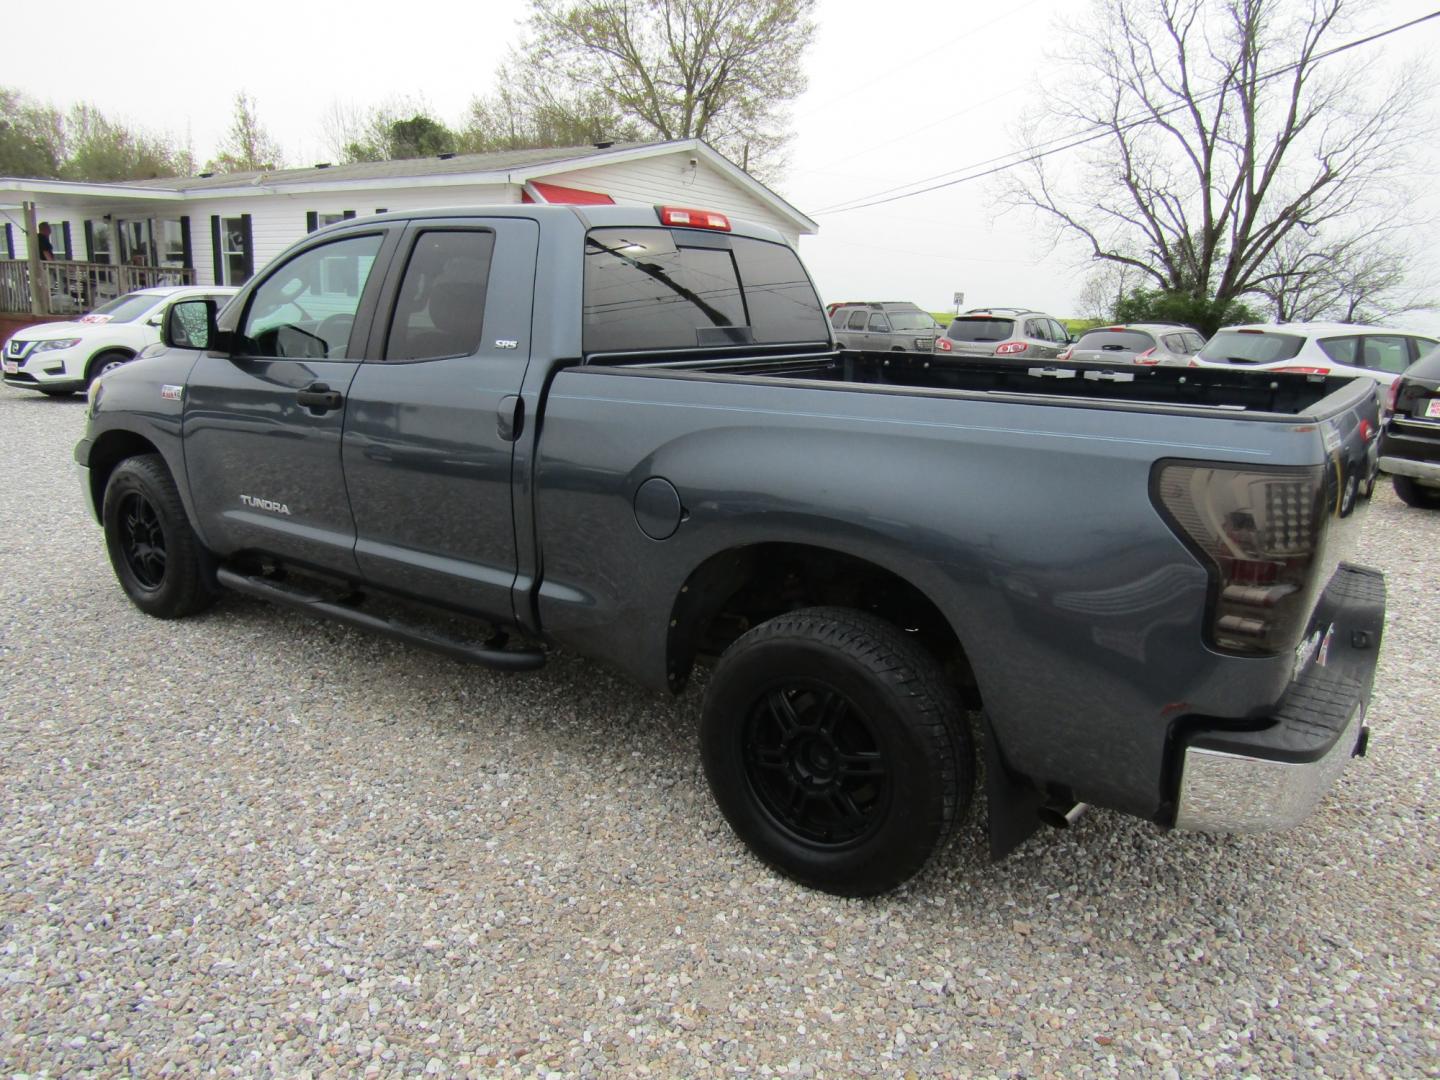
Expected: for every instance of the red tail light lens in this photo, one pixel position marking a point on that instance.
(1393, 397)
(1147, 357)
(693, 219)
(1259, 534)
(943, 344)
(1304, 369)
(1010, 348)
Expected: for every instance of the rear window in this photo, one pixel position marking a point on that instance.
(1251, 346)
(656, 289)
(1116, 341)
(973, 329)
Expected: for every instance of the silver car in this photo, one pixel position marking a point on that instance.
(884, 326)
(1148, 344)
(1018, 333)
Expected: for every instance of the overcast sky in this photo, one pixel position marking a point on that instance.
(898, 92)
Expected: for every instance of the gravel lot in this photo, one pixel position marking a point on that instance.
(251, 844)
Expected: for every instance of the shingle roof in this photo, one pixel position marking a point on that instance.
(385, 170)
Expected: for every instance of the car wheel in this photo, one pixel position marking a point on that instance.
(836, 749)
(1414, 494)
(157, 557)
(106, 361)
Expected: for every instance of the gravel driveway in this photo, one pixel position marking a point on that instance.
(251, 844)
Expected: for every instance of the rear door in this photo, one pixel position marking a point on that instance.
(433, 417)
(263, 424)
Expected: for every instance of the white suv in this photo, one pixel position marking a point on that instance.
(62, 357)
(1316, 349)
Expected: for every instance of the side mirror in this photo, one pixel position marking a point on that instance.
(154, 320)
(190, 324)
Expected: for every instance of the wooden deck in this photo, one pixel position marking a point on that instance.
(74, 288)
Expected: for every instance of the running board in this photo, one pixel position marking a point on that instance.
(504, 659)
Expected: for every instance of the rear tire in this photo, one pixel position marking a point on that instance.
(156, 555)
(1414, 494)
(836, 749)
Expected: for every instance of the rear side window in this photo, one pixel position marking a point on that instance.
(1387, 352)
(440, 310)
(968, 329)
(1343, 350)
(656, 289)
(1251, 346)
(1116, 341)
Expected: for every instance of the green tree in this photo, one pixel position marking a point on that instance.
(247, 146)
(518, 116)
(419, 136)
(32, 137)
(1206, 314)
(719, 70)
(104, 150)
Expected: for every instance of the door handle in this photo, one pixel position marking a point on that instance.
(319, 398)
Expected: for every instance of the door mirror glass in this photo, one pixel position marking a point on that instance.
(190, 324)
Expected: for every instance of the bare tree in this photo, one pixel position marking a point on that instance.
(526, 113)
(1226, 131)
(247, 146)
(1368, 276)
(1105, 286)
(719, 70)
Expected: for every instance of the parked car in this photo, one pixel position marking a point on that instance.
(1004, 331)
(1410, 444)
(1317, 349)
(1150, 344)
(884, 326)
(61, 357)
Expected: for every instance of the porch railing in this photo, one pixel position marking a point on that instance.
(73, 288)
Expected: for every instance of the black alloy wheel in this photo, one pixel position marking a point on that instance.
(157, 557)
(836, 749)
(142, 540)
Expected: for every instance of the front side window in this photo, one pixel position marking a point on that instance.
(440, 310)
(858, 320)
(306, 308)
(879, 324)
(649, 288)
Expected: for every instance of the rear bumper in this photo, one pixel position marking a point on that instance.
(1418, 470)
(1271, 777)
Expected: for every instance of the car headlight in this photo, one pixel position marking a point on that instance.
(58, 343)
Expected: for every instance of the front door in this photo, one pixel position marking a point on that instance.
(263, 425)
(432, 420)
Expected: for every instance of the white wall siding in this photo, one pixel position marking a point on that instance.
(670, 179)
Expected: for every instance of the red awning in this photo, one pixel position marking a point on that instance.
(554, 193)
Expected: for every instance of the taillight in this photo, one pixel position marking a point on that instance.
(1011, 347)
(694, 219)
(1304, 369)
(943, 344)
(1393, 397)
(1066, 354)
(1259, 535)
(1147, 357)
(1193, 362)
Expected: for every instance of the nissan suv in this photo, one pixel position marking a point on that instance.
(884, 326)
(1005, 331)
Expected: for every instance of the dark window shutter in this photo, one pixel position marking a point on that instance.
(247, 238)
(90, 241)
(312, 221)
(347, 214)
(9, 241)
(217, 250)
(65, 230)
(187, 255)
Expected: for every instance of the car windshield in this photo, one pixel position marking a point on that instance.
(129, 307)
(910, 320)
(1116, 341)
(980, 329)
(1251, 346)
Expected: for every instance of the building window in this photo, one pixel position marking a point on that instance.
(235, 251)
(97, 238)
(314, 219)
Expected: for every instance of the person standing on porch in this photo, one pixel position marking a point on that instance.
(47, 252)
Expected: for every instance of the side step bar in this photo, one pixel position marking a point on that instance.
(503, 659)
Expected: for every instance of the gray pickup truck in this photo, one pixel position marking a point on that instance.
(625, 431)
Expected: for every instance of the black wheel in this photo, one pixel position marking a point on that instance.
(106, 361)
(1414, 494)
(155, 552)
(836, 749)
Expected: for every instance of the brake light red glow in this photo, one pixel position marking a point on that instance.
(1305, 369)
(1392, 399)
(1147, 357)
(943, 344)
(1011, 347)
(1366, 431)
(693, 219)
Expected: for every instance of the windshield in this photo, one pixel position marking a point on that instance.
(129, 307)
(1251, 347)
(980, 329)
(911, 320)
(1116, 341)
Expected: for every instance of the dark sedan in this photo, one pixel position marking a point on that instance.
(1410, 446)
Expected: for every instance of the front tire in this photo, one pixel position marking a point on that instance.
(156, 555)
(1414, 494)
(836, 749)
(106, 361)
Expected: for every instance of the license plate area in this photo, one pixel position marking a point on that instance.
(1432, 408)
(11, 367)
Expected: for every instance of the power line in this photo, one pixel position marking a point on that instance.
(1049, 147)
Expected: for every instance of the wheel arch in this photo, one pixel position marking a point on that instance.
(109, 449)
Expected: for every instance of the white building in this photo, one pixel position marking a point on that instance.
(221, 228)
